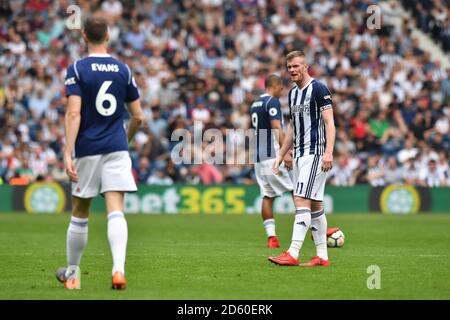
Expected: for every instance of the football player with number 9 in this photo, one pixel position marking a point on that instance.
(267, 120)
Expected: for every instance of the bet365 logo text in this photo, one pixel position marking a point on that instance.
(73, 22)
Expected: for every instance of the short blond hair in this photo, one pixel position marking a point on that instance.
(294, 54)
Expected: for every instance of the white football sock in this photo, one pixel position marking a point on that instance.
(319, 233)
(301, 226)
(77, 236)
(117, 237)
(269, 225)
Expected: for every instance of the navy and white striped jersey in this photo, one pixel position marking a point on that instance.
(262, 111)
(306, 105)
(104, 85)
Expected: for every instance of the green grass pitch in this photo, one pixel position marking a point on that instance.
(224, 257)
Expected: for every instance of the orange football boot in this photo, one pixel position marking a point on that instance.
(72, 280)
(72, 283)
(118, 281)
(315, 262)
(284, 259)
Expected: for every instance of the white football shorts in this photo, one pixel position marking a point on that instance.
(272, 185)
(102, 173)
(309, 179)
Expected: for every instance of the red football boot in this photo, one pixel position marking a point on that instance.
(284, 259)
(272, 242)
(330, 231)
(315, 262)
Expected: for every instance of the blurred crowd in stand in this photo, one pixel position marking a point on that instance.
(200, 64)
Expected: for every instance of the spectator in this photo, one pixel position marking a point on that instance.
(408, 152)
(375, 173)
(241, 118)
(157, 124)
(113, 8)
(445, 86)
(200, 114)
(58, 173)
(380, 125)
(136, 38)
(431, 176)
(159, 177)
(38, 104)
(208, 174)
(342, 173)
(411, 172)
(143, 171)
(392, 172)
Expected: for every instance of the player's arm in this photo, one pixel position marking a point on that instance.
(134, 107)
(286, 146)
(72, 121)
(137, 117)
(330, 134)
(324, 103)
(278, 129)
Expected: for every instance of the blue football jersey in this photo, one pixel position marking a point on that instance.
(262, 111)
(104, 85)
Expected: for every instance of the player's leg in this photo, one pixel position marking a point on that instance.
(318, 219)
(262, 173)
(269, 222)
(302, 178)
(319, 229)
(278, 185)
(305, 173)
(117, 235)
(301, 225)
(77, 237)
(116, 180)
(83, 191)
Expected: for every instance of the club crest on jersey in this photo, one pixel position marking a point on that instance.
(110, 67)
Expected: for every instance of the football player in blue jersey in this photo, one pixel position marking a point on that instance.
(267, 120)
(312, 134)
(96, 153)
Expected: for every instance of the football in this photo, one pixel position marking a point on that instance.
(336, 240)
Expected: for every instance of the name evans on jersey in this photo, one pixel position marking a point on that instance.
(98, 67)
(105, 67)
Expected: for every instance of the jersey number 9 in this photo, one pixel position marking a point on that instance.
(255, 120)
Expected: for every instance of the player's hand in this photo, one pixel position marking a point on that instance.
(70, 168)
(276, 165)
(288, 161)
(327, 162)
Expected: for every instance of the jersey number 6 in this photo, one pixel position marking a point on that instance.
(102, 96)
